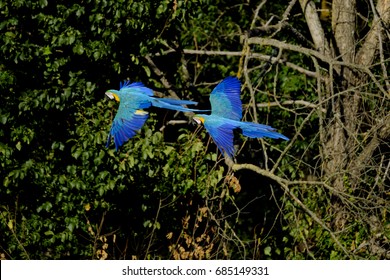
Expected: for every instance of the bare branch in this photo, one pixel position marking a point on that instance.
(292, 141)
(256, 14)
(287, 12)
(284, 184)
(304, 103)
(175, 122)
(382, 131)
(291, 47)
(160, 74)
(315, 27)
(377, 18)
(262, 57)
(367, 51)
(332, 62)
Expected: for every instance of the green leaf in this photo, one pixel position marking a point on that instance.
(43, 3)
(3, 119)
(147, 70)
(267, 251)
(96, 55)
(47, 51)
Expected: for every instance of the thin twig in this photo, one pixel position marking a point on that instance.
(284, 184)
(305, 104)
(324, 58)
(251, 55)
(256, 13)
(154, 228)
(15, 235)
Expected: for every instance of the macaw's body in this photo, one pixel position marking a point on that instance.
(133, 98)
(225, 117)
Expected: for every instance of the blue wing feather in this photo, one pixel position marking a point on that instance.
(124, 84)
(225, 99)
(221, 130)
(132, 97)
(123, 129)
(255, 130)
(226, 113)
(223, 137)
(136, 86)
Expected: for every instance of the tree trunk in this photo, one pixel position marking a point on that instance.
(345, 154)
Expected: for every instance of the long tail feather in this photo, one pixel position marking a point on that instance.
(255, 130)
(178, 101)
(160, 103)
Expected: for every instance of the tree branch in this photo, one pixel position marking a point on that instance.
(332, 62)
(315, 27)
(256, 13)
(160, 74)
(367, 51)
(284, 184)
(380, 131)
(250, 55)
(304, 103)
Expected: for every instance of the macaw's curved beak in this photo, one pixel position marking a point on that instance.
(112, 95)
(198, 120)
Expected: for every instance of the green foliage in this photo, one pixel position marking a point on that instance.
(57, 177)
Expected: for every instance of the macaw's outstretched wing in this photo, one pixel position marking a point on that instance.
(225, 99)
(222, 135)
(139, 87)
(126, 126)
(255, 130)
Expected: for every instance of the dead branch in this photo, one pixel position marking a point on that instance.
(367, 51)
(160, 74)
(284, 184)
(304, 103)
(309, 52)
(315, 27)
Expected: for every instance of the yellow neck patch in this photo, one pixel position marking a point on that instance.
(116, 97)
(112, 95)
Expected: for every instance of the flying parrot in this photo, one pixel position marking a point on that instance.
(226, 114)
(130, 117)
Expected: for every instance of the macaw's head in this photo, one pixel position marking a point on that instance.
(199, 119)
(113, 94)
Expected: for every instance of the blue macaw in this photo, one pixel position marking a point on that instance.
(226, 114)
(133, 98)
